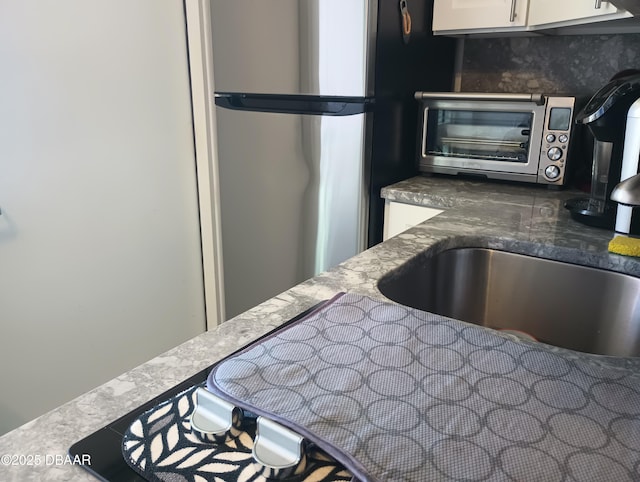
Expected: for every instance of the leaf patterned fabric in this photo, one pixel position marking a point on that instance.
(161, 446)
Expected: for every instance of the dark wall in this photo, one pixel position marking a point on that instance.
(425, 63)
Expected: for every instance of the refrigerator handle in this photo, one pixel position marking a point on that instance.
(294, 104)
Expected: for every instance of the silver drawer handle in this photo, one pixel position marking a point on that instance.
(213, 418)
(278, 450)
(512, 16)
(598, 4)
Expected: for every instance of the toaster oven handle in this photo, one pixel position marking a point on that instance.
(537, 98)
(423, 144)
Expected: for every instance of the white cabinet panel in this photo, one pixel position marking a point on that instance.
(503, 17)
(399, 217)
(479, 14)
(542, 12)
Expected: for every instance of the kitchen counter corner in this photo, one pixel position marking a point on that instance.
(523, 219)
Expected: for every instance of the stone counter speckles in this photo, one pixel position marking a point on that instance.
(518, 217)
(521, 218)
(577, 64)
(447, 192)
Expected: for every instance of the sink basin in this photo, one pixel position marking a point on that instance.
(577, 307)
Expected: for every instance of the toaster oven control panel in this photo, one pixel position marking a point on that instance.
(554, 150)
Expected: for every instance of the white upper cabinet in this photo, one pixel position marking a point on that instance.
(502, 17)
(544, 12)
(451, 15)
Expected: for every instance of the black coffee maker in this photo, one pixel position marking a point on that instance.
(606, 116)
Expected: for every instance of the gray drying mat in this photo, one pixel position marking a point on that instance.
(397, 394)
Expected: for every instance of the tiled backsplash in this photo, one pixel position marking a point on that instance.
(578, 64)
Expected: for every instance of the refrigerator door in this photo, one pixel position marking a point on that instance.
(292, 198)
(311, 47)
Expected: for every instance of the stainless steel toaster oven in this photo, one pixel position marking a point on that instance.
(518, 137)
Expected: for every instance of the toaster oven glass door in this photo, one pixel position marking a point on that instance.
(479, 135)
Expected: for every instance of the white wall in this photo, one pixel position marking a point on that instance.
(100, 258)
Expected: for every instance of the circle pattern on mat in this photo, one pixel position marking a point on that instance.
(492, 361)
(437, 334)
(393, 415)
(545, 364)
(522, 463)
(393, 356)
(396, 468)
(291, 351)
(578, 431)
(447, 454)
(439, 417)
(502, 391)
(336, 409)
(412, 396)
(440, 359)
(330, 379)
(590, 466)
(602, 393)
(389, 334)
(341, 355)
(523, 426)
(560, 394)
(626, 430)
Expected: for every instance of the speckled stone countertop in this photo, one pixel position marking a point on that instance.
(520, 218)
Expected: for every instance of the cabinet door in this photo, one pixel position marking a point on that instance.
(574, 11)
(399, 217)
(478, 14)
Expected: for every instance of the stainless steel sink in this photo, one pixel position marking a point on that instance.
(586, 309)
